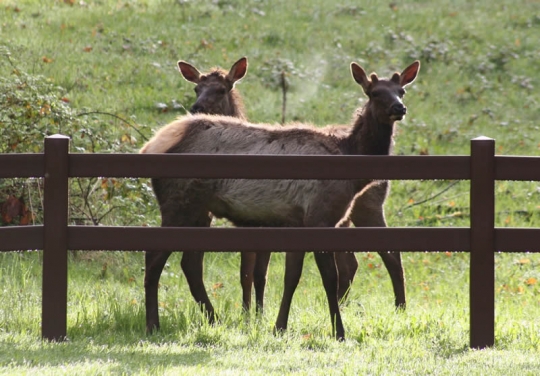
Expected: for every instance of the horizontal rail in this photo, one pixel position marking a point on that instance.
(22, 165)
(360, 239)
(19, 238)
(262, 166)
(517, 168)
(267, 239)
(269, 166)
(517, 239)
(256, 166)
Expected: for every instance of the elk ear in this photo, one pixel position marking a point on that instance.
(360, 77)
(189, 72)
(238, 70)
(409, 74)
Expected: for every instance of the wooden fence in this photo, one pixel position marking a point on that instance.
(481, 239)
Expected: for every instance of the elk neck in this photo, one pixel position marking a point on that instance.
(370, 136)
(236, 105)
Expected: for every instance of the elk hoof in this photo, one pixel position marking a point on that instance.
(400, 307)
(278, 331)
(152, 328)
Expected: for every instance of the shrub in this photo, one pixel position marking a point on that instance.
(31, 108)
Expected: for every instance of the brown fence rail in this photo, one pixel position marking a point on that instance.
(481, 239)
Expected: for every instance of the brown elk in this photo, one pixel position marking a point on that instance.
(257, 203)
(216, 95)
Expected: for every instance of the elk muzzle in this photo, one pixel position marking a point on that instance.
(397, 111)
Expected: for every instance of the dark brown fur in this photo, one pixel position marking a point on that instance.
(368, 210)
(296, 203)
(211, 99)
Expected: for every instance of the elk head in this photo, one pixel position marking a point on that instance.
(214, 89)
(386, 96)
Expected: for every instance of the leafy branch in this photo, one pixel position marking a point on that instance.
(432, 197)
(116, 117)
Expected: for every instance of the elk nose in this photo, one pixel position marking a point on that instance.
(196, 109)
(399, 109)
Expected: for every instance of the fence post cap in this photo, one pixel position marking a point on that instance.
(483, 138)
(58, 136)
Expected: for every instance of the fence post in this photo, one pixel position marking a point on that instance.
(55, 206)
(482, 277)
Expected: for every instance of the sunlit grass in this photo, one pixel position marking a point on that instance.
(106, 319)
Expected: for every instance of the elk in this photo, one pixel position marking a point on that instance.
(371, 134)
(216, 94)
(259, 203)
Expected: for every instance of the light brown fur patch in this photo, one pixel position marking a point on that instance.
(165, 138)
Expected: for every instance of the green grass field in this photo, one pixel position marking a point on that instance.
(479, 76)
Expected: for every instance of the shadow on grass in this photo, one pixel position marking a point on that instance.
(121, 357)
(116, 339)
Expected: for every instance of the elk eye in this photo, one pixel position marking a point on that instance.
(221, 91)
(374, 94)
(401, 92)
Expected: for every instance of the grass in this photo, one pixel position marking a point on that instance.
(478, 77)
(106, 321)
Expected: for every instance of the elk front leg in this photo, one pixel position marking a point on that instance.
(154, 263)
(294, 262)
(327, 267)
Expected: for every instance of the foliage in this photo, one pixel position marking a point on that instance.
(32, 107)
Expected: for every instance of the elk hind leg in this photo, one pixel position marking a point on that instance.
(174, 215)
(247, 270)
(368, 211)
(192, 265)
(260, 275)
(347, 264)
(392, 261)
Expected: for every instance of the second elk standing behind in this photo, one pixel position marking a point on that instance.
(276, 203)
(216, 95)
